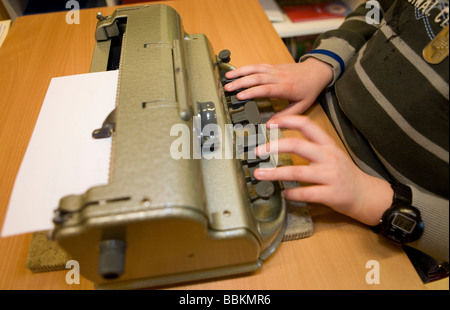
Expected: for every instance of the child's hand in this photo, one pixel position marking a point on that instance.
(299, 83)
(338, 182)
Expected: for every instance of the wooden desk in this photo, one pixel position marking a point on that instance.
(43, 46)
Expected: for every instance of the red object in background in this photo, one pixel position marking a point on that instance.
(135, 1)
(302, 12)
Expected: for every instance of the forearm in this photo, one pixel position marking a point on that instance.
(376, 196)
(321, 73)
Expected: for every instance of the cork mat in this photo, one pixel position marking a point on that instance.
(45, 255)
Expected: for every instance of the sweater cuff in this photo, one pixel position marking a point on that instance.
(435, 215)
(334, 51)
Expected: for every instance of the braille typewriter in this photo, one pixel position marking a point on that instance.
(169, 215)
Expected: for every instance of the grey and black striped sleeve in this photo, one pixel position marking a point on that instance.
(337, 47)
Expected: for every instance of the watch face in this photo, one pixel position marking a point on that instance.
(403, 222)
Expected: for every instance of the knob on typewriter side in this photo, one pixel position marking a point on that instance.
(111, 263)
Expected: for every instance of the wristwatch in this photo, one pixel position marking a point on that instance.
(401, 222)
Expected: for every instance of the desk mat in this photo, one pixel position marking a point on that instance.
(45, 255)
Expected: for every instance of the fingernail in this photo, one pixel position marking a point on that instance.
(258, 173)
(270, 124)
(241, 95)
(256, 151)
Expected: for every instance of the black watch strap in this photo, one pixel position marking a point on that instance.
(402, 193)
(401, 222)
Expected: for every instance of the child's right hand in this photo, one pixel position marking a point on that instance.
(334, 178)
(299, 83)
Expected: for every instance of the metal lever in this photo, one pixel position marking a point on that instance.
(249, 115)
(181, 82)
(252, 160)
(224, 59)
(108, 127)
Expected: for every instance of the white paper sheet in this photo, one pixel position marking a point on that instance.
(62, 158)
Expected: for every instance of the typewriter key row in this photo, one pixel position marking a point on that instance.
(246, 113)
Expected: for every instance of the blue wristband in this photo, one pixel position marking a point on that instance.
(332, 55)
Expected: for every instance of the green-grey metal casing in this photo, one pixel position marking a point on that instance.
(181, 219)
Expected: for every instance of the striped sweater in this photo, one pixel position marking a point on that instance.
(390, 107)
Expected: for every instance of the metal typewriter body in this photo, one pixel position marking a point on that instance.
(161, 220)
